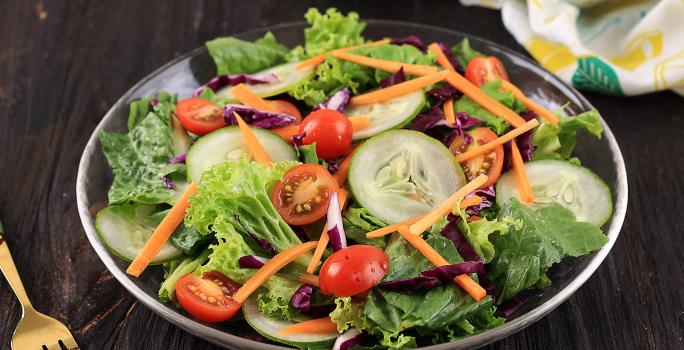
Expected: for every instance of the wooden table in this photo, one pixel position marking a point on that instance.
(64, 63)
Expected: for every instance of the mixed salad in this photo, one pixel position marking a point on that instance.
(349, 193)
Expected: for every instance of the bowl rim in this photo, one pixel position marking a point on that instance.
(225, 339)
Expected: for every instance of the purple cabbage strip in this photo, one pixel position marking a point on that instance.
(338, 101)
(434, 277)
(333, 166)
(178, 159)
(524, 142)
(510, 306)
(450, 56)
(444, 92)
(414, 284)
(264, 244)
(252, 262)
(298, 140)
(168, 183)
(410, 40)
(348, 339)
(235, 79)
(338, 240)
(154, 102)
(432, 122)
(395, 78)
(301, 299)
(488, 196)
(318, 311)
(452, 232)
(255, 117)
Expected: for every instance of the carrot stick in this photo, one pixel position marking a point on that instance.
(442, 60)
(342, 172)
(373, 43)
(359, 122)
(253, 145)
(446, 206)
(521, 175)
(531, 105)
(309, 279)
(342, 196)
(271, 267)
(287, 132)
(498, 141)
(388, 66)
(449, 111)
(391, 228)
(162, 233)
(473, 218)
(248, 98)
(464, 281)
(471, 201)
(318, 59)
(467, 88)
(398, 89)
(316, 326)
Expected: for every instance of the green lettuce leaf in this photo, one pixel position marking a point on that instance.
(233, 56)
(188, 240)
(327, 32)
(334, 74)
(463, 53)
(548, 235)
(358, 221)
(140, 158)
(174, 270)
(492, 89)
(558, 141)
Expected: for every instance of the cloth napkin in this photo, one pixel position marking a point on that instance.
(618, 47)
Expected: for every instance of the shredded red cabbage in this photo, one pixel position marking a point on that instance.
(488, 196)
(348, 339)
(444, 92)
(235, 79)
(524, 142)
(410, 40)
(178, 159)
(154, 102)
(318, 311)
(333, 166)
(338, 101)
(434, 277)
(395, 78)
(298, 140)
(252, 262)
(450, 56)
(338, 240)
(510, 306)
(168, 183)
(301, 299)
(255, 117)
(454, 234)
(264, 244)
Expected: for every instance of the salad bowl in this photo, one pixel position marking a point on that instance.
(185, 73)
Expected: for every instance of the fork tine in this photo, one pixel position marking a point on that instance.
(70, 343)
(54, 346)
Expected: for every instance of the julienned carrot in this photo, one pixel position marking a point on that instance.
(342, 196)
(531, 105)
(388, 66)
(442, 60)
(471, 201)
(248, 98)
(473, 218)
(318, 59)
(162, 233)
(467, 88)
(521, 175)
(446, 206)
(287, 132)
(391, 228)
(464, 281)
(498, 141)
(342, 172)
(449, 111)
(316, 326)
(359, 122)
(398, 89)
(253, 145)
(271, 267)
(309, 279)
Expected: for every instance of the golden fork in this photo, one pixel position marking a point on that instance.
(35, 330)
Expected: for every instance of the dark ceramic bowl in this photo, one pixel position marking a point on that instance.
(185, 73)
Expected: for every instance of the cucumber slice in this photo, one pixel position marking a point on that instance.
(400, 174)
(269, 327)
(387, 115)
(555, 181)
(228, 144)
(124, 230)
(288, 77)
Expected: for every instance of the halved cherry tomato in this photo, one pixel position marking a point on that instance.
(209, 298)
(330, 130)
(490, 163)
(199, 116)
(481, 70)
(302, 196)
(353, 270)
(288, 108)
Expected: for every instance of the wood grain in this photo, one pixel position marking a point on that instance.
(63, 63)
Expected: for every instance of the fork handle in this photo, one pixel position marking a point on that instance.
(10, 271)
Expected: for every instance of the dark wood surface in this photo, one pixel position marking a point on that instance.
(63, 63)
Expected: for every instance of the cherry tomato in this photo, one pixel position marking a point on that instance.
(353, 270)
(209, 298)
(489, 163)
(288, 108)
(199, 116)
(302, 196)
(481, 70)
(330, 130)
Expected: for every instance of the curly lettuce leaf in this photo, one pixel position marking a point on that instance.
(140, 158)
(492, 89)
(524, 254)
(328, 31)
(232, 55)
(335, 74)
(463, 52)
(558, 141)
(478, 233)
(175, 270)
(358, 221)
